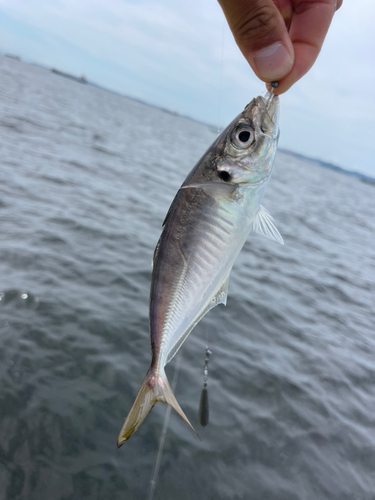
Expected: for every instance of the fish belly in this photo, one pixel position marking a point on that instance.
(198, 247)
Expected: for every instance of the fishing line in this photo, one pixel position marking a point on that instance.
(153, 480)
(203, 411)
(221, 78)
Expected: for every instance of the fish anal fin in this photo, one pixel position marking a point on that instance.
(264, 224)
(220, 297)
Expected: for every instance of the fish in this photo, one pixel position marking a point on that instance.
(207, 224)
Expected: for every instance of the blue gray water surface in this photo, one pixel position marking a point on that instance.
(86, 179)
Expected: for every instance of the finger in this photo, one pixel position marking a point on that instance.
(309, 26)
(285, 8)
(260, 33)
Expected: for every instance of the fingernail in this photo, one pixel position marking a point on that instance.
(273, 62)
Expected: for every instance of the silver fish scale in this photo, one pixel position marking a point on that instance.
(218, 237)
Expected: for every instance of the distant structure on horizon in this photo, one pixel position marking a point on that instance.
(326, 164)
(79, 79)
(12, 56)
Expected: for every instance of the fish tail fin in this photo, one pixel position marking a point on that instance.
(154, 388)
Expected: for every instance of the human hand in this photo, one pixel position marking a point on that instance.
(280, 39)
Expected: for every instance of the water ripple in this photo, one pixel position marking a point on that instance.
(292, 376)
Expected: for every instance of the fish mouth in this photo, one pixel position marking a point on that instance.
(269, 104)
(272, 104)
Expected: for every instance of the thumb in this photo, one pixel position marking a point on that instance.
(261, 35)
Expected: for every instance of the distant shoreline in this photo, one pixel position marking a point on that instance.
(82, 79)
(79, 79)
(332, 166)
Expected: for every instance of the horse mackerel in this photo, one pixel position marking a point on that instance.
(209, 220)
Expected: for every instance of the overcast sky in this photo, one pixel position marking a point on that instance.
(169, 53)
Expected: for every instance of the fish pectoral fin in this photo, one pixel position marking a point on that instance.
(216, 190)
(265, 225)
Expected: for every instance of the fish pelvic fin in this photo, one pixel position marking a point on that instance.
(154, 388)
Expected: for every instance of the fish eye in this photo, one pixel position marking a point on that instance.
(242, 137)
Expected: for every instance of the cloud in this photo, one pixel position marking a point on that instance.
(170, 53)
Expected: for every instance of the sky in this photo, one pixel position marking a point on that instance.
(180, 54)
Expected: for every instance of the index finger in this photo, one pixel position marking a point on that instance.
(308, 29)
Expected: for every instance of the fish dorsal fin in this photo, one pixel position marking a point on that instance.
(156, 251)
(265, 225)
(216, 190)
(172, 207)
(220, 297)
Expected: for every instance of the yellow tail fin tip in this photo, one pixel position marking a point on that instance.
(153, 389)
